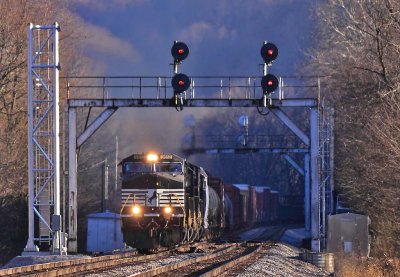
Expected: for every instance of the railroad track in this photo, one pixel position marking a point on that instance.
(80, 266)
(271, 235)
(212, 264)
(222, 257)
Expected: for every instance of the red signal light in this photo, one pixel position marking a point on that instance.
(269, 52)
(179, 51)
(269, 83)
(180, 82)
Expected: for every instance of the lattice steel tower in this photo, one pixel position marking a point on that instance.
(43, 142)
(326, 163)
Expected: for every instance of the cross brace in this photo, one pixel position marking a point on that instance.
(243, 150)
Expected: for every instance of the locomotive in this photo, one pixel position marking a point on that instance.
(167, 201)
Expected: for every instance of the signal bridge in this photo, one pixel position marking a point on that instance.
(225, 91)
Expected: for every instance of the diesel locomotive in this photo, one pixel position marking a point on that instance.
(166, 201)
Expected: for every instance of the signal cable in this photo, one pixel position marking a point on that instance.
(261, 111)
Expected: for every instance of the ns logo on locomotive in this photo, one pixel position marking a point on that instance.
(166, 201)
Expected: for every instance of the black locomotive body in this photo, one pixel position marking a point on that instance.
(166, 201)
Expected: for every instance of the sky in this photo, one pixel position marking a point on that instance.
(225, 36)
(134, 38)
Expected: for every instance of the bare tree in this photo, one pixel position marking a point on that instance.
(358, 45)
(14, 18)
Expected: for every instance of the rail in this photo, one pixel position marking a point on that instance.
(185, 263)
(80, 266)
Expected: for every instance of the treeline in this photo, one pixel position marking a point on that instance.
(357, 45)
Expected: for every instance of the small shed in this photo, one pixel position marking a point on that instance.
(104, 233)
(348, 233)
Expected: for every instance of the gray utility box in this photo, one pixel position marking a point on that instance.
(348, 233)
(104, 233)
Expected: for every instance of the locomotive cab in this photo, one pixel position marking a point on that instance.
(152, 200)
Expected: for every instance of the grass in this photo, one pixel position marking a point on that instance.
(372, 267)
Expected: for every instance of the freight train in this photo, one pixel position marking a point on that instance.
(167, 201)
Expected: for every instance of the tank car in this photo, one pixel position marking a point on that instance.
(166, 201)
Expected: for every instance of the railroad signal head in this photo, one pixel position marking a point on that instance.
(269, 83)
(180, 82)
(269, 52)
(179, 51)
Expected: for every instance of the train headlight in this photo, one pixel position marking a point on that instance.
(152, 158)
(168, 210)
(136, 210)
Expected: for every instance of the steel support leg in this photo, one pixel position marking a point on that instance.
(72, 181)
(315, 214)
(30, 245)
(307, 195)
(57, 245)
(331, 158)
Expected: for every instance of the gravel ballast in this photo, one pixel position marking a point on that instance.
(280, 260)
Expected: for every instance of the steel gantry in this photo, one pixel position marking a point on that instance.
(112, 93)
(43, 142)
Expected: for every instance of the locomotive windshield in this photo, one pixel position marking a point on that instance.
(169, 167)
(137, 168)
(173, 167)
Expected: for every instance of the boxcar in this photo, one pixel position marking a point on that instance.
(232, 207)
(260, 212)
(252, 205)
(244, 204)
(267, 204)
(274, 205)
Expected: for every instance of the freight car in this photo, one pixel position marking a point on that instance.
(167, 201)
(246, 205)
